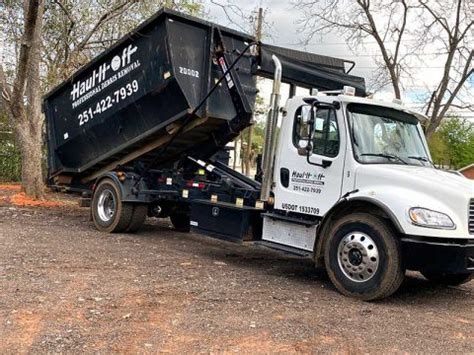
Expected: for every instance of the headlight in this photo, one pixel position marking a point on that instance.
(431, 219)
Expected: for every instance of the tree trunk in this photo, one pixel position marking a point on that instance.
(30, 145)
(248, 151)
(25, 104)
(32, 152)
(432, 126)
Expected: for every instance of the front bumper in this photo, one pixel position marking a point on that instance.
(431, 254)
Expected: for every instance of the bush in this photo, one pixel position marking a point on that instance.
(10, 164)
(453, 143)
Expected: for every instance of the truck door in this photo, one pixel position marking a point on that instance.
(309, 181)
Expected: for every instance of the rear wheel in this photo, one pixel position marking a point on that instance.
(363, 258)
(447, 278)
(140, 212)
(109, 213)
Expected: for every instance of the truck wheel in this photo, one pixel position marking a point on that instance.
(140, 212)
(446, 278)
(180, 221)
(108, 212)
(363, 258)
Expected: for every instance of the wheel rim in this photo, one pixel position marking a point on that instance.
(106, 205)
(358, 257)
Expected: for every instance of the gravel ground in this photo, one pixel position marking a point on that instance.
(66, 288)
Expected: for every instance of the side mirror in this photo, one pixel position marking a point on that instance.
(307, 119)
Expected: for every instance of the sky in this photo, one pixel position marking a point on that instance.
(283, 30)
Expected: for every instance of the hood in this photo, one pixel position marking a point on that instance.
(424, 179)
(401, 187)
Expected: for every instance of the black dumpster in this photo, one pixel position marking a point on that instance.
(126, 104)
(127, 97)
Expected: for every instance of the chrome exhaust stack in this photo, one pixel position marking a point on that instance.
(271, 133)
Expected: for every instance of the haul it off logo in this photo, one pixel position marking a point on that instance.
(97, 81)
(307, 177)
(306, 181)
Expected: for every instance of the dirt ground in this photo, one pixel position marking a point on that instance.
(66, 288)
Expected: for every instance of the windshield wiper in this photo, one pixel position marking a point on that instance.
(423, 159)
(388, 156)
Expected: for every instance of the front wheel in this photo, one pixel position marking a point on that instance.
(363, 257)
(447, 278)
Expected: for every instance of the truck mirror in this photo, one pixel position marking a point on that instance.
(306, 130)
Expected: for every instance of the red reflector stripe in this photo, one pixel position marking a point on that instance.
(199, 185)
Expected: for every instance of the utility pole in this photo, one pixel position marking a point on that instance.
(248, 150)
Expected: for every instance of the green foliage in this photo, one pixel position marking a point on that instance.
(10, 165)
(260, 107)
(453, 143)
(439, 149)
(258, 136)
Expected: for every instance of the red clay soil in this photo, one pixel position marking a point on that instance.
(10, 187)
(20, 199)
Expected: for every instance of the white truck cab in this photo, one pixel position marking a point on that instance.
(353, 184)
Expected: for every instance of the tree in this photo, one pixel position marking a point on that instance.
(457, 36)
(439, 149)
(395, 24)
(45, 41)
(23, 99)
(457, 136)
(78, 31)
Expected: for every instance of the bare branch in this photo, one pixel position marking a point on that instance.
(465, 75)
(390, 63)
(66, 11)
(106, 17)
(441, 20)
(231, 10)
(72, 23)
(402, 30)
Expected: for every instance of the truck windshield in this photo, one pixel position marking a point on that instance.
(386, 136)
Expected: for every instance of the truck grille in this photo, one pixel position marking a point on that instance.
(471, 217)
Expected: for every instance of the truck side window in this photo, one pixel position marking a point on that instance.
(326, 133)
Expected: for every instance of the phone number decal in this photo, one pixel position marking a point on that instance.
(314, 190)
(108, 102)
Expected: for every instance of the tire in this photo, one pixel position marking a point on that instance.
(447, 278)
(139, 214)
(363, 258)
(181, 222)
(110, 217)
